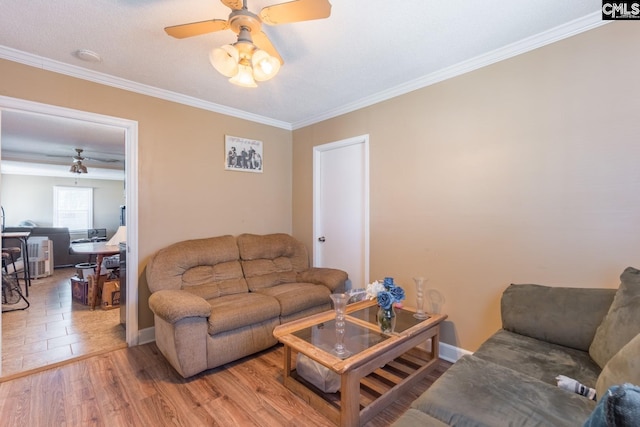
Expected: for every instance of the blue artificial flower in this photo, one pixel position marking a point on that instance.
(397, 293)
(388, 283)
(385, 300)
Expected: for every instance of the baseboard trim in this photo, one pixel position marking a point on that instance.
(452, 353)
(147, 335)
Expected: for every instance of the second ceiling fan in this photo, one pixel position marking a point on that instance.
(253, 57)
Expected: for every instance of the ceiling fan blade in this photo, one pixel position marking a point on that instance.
(262, 41)
(295, 11)
(232, 4)
(93, 159)
(197, 28)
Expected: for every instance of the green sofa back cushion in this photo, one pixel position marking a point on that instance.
(559, 315)
(622, 322)
(623, 367)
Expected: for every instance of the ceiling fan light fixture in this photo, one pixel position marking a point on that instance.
(225, 60)
(78, 168)
(229, 60)
(244, 63)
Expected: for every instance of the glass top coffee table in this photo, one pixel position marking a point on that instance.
(380, 366)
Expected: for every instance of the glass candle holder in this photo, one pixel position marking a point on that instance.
(339, 304)
(420, 314)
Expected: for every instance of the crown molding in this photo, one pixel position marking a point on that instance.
(561, 32)
(10, 167)
(553, 35)
(120, 83)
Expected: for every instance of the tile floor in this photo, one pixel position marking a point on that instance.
(55, 328)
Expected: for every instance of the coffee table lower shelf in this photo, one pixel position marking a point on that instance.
(377, 390)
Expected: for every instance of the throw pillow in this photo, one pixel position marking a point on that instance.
(622, 322)
(624, 367)
(619, 407)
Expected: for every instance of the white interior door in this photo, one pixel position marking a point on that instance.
(341, 207)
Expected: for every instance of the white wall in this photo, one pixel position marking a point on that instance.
(31, 198)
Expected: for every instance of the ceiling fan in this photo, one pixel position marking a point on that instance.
(253, 57)
(78, 167)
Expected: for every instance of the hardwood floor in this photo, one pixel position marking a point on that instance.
(137, 387)
(55, 328)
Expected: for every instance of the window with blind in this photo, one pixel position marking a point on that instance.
(73, 207)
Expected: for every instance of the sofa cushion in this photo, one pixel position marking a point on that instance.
(565, 316)
(622, 322)
(538, 359)
(206, 267)
(173, 305)
(413, 417)
(296, 297)
(263, 273)
(211, 281)
(271, 259)
(623, 367)
(333, 278)
(476, 392)
(271, 246)
(239, 310)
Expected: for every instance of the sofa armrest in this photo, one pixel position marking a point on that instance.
(174, 305)
(330, 277)
(564, 316)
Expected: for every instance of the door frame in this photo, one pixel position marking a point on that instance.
(317, 216)
(130, 128)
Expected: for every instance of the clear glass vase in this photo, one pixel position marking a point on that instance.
(339, 304)
(387, 319)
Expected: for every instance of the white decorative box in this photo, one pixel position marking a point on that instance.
(318, 375)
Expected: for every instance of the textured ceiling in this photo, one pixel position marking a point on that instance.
(366, 51)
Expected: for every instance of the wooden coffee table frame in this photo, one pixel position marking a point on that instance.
(371, 379)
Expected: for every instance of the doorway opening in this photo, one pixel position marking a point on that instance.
(129, 129)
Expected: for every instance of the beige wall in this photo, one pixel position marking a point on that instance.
(525, 171)
(184, 191)
(31, 198)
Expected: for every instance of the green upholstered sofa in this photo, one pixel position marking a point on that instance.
(218, 299)
(590, 335)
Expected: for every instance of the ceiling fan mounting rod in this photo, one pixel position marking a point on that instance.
(244, 18)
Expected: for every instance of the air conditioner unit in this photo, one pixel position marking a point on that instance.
(40, 257)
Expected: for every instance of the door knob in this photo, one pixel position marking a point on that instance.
(321, 239)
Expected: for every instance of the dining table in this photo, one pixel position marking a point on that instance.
(100, 250)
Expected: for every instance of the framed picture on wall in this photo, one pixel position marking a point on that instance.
(242, 154)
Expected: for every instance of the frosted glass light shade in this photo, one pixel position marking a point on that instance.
(264, 65)
(225, 60)
(244, 77)
(78, 168)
